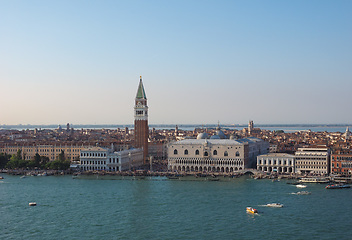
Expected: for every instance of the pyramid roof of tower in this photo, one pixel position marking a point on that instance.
(141, 93)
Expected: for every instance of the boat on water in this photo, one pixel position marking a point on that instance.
(1, 177)
(293, 183)
(337, 186)
(314, 180)
(213, 179)
(275, 205)
(251, 210)
(303, 193)
(301, 186)
(173, 177)
(32, 204)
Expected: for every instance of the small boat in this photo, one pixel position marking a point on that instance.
(303, 193)
(276, 205)
(251, 210)
(23, 176)
(337, 186)
(213, 179)
(1, 177)
(32, 204)
(301, 186)
(293, 183)
(173, 177)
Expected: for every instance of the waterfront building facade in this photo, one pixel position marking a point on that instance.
(214, 154)
(341, 164)
(157, 150)
(141, 129)
(104, 159)
(71, 151)
(314, 160)
(276, 163)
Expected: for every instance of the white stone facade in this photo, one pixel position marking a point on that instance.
(104, 159)
(276, 163)
(214, 155)
(312, 161)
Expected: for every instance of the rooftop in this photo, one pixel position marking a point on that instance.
(217, 141)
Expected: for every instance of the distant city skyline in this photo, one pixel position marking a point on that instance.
(202, 62)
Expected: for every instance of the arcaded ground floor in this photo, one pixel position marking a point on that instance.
(275, 169)
(196, 168)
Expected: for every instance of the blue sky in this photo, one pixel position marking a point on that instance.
(201, 61)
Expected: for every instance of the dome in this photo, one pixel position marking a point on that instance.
(202, 136)
(221, 134)
(215, 137)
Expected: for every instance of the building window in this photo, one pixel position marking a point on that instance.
(237, 154)
(175, 152)
(197, 152)
(215, 152)
(206, 154)
(226, 154)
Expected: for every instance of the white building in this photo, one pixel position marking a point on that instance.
(214, 154)
(276, 162)
(105, 159)
(312, 160)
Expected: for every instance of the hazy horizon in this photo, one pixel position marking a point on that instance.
(63, 125)
(287, 62)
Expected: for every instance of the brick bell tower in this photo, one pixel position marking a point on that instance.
(141, 129)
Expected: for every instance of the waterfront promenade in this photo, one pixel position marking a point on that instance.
(186, 176)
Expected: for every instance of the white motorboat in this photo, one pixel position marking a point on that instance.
(301, 186)
(276, 205)
(303, 193)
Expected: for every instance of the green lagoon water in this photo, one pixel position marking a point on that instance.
(157, 208)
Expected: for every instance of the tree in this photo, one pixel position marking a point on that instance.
(4, 159)
(58, 165)
(37, 160)
(61, 156)
(16, 161)
(43, 161)
(18, 155)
